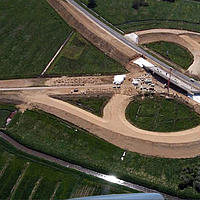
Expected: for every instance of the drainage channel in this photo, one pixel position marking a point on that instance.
(108, 178)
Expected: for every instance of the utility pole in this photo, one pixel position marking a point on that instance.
(170, 73)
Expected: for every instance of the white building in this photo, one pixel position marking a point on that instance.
(119, 79)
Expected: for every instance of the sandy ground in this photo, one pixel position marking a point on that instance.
(114, 127)
(22, 82)
(188, 39)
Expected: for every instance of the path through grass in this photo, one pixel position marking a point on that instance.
(79, 57)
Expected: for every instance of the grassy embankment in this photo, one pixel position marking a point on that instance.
(159, 14)
(46, 176)
(161, 115)
(31, 33)
(176, 53)
(49, 134)
(80, 57)
(95, 105)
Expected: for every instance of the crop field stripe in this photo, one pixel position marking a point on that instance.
(35, 188)
(55, 190)
(4, 168)
(10, 177)
(12, 193)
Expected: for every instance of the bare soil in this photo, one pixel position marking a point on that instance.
(114, 127)
(96, 35)
(190, 40)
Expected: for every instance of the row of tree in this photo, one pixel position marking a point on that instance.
(170, 1)
(136, 3)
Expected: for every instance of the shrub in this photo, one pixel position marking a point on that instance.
(91, 4)
(136, 4)
(190, 176)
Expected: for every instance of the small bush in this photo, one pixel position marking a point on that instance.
(172, 1)
(190, 176)
(91, 4)
(137, 3)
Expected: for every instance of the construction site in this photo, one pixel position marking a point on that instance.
(145, 78)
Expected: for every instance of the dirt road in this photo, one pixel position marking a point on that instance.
(190, 40)
(114, 127)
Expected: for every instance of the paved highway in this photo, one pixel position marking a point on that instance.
(121, 38)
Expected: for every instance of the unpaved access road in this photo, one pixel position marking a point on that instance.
(114, 127)
(189, 40)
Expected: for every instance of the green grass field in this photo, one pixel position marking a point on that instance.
(95, 105)
(161, 115)
(49, 134)
(159, 14)
(79, 57)
(5, 111)
(176, 53)
(31, 33)
(40, 178)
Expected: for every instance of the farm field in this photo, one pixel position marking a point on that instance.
(31, 33)
(161, 115)
(23, 177)
(79, 57)
(95, 105)
(176, 53)
(46, 133)
(158, 14)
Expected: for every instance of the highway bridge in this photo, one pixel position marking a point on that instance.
(178, 78)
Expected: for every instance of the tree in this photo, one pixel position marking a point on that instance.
(136, 4)
(170, 1)
(197, 185)
(91, 4)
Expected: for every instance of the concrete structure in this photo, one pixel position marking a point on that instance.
(164, 73)
(142, 62)
(132, 37)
